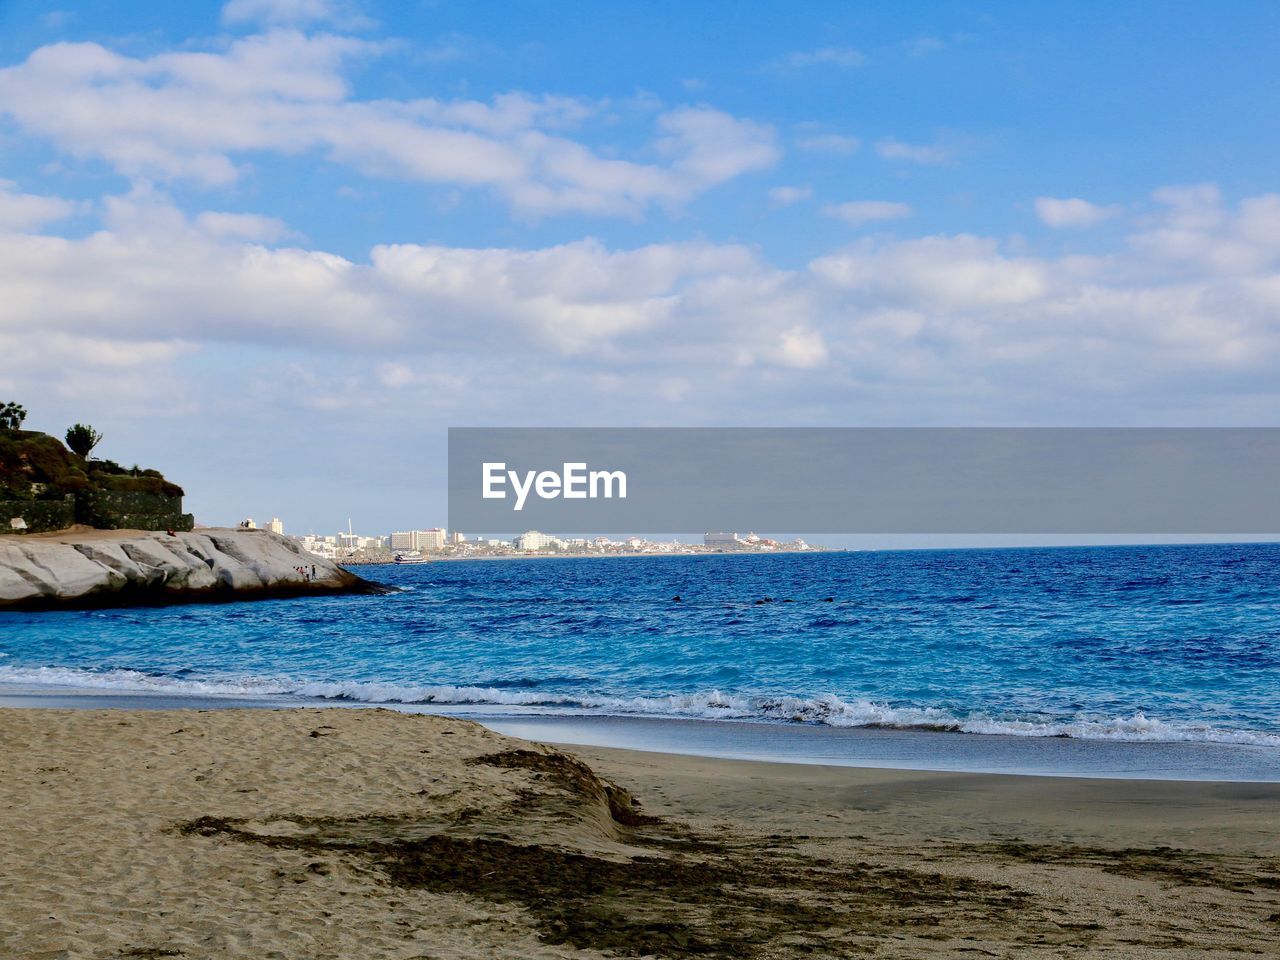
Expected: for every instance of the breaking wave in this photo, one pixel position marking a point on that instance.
(825, 709)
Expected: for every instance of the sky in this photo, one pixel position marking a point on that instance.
(277, 247)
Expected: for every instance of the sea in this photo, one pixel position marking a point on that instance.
(1122, 661)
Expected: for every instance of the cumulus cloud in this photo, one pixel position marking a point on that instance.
(1197, 231)
(196, 116)
(710, 146)
(957, 273)
(786, 196)
(243, 226)
(21, 211)
(1187, 298)
(957, 322)
(152, 271)
(857, 212)
(1072, 212)
(924, 154)
(291, 12)
(843, 57)
(802, 348)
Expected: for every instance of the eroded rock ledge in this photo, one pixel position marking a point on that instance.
(106, 568)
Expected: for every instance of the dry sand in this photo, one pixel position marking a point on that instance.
(370, 834)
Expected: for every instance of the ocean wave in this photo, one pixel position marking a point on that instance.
(137, 681)
(825, 709)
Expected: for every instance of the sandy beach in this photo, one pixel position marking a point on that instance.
(367, 833)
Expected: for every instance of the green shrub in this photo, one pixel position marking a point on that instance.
(82, 438)
(134, 483)
(36, 466)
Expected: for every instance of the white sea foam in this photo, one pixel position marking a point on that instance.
(826, 709)
(134, 681)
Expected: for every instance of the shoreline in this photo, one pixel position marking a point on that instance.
(1266, 540)
(866, 748)
(628, 555)
(306, 833)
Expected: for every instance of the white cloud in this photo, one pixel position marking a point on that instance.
(453, 48)
(22, 211)
(80, 352)
(710, 146)
(924, 154)
(927, 328)
(56, 19)
(242, 226)
(1192, 208)
(924, 46)
(395, 375)
(954, 273)
(802, 348)
(786, 196)
(829, 143)
(1198, 231)
(857, 212)
(195, 116)
(843, 57)
(1072, 212)
(291, 12)
(673, 389)
(151, 272)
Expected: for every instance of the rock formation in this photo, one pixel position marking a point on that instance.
(95, 568)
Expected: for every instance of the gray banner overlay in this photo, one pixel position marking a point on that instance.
(866, 480)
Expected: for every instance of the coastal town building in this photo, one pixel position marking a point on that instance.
(534, 540)
(351, 547)
(426, 541)
(431, 540)
(326, 547)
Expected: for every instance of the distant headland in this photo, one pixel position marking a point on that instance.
(82, 532)
(46, 485)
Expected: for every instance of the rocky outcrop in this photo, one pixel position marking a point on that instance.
(100, 568)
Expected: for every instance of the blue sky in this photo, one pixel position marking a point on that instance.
(276, 247)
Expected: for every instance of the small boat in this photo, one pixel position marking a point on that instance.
(401, 558)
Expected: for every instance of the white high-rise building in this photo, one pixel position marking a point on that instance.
(430, 540)
(534, 540)
(404, 540)
(276, 526)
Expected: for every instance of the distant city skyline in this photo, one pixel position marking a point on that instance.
(275, 249)
(837, 541)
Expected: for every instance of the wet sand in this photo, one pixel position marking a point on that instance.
(310, 833)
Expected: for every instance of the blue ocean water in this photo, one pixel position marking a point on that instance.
(1161, 643)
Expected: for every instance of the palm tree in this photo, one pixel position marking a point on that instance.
(11, 415)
